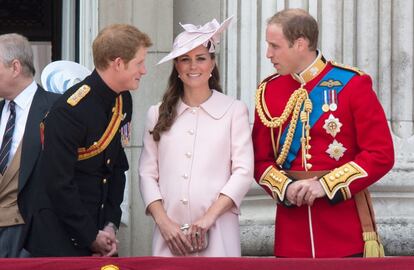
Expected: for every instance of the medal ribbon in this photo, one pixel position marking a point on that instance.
(317, 97)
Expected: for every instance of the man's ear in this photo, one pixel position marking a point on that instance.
(301, 44)
(16, 66)
(116, 63)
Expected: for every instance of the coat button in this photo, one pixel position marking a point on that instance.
(104, 181)
(102, 206)
(16, 220)
(184, 201)
(108, 161)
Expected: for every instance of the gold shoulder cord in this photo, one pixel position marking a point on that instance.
(293, 107)
(348, 67)
(111, 130)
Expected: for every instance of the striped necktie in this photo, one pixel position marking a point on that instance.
(7, 138)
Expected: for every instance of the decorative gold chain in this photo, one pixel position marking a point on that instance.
(291, 131)
(297, 99)
(276, 121)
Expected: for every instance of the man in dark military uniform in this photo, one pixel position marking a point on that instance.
(83, 165)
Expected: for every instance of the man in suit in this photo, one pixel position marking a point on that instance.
(24, 106)
(83, 164)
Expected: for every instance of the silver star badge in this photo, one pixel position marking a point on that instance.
(332, 125)
(336, 150)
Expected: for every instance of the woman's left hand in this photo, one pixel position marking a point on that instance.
(197, 234)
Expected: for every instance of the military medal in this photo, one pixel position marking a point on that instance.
(333, 106)
(125, 134)
(332, 125)
(325, 106)
(336, 150)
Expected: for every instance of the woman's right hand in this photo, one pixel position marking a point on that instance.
(176, 240)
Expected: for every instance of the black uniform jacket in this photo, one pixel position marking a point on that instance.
(77, 197)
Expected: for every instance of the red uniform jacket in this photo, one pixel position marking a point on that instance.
(331, 226)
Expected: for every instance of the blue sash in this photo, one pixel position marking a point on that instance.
(317, 97)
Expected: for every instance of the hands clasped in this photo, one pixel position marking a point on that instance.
(304, 191)
(184, 239)
(105, 243)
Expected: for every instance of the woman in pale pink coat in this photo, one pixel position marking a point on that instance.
(197, 161)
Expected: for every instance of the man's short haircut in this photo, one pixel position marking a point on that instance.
(297, 23)
(16, 47)
(118, 40)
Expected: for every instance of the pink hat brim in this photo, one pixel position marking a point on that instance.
(197, 39)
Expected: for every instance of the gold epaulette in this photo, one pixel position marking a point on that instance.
(269, 78)
(277, 181)
(341, 177)
(348, 67)
(109, 134)
(78, 95)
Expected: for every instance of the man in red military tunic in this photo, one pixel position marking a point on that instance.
(321, 139)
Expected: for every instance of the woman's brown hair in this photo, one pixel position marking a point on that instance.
(175, 90)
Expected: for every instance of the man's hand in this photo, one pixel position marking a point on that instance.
(102, 246)
(304, 191)
(113, 242)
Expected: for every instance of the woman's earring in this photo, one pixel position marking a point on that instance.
(210, 75)
(178, 76)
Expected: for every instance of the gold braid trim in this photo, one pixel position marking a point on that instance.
(277, 181)
(110, 132)
(348, 67)
(341, 177)
(293, 107)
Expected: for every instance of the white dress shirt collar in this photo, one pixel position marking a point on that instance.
(23, 102)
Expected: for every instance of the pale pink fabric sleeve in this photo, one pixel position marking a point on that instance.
(241, 156)
(148, 162)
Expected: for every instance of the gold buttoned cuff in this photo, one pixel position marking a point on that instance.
(276, 181)
(340, 179)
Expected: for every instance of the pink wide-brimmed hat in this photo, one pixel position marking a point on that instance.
(194, 36)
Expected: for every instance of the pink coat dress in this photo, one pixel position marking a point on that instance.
(207, 151)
